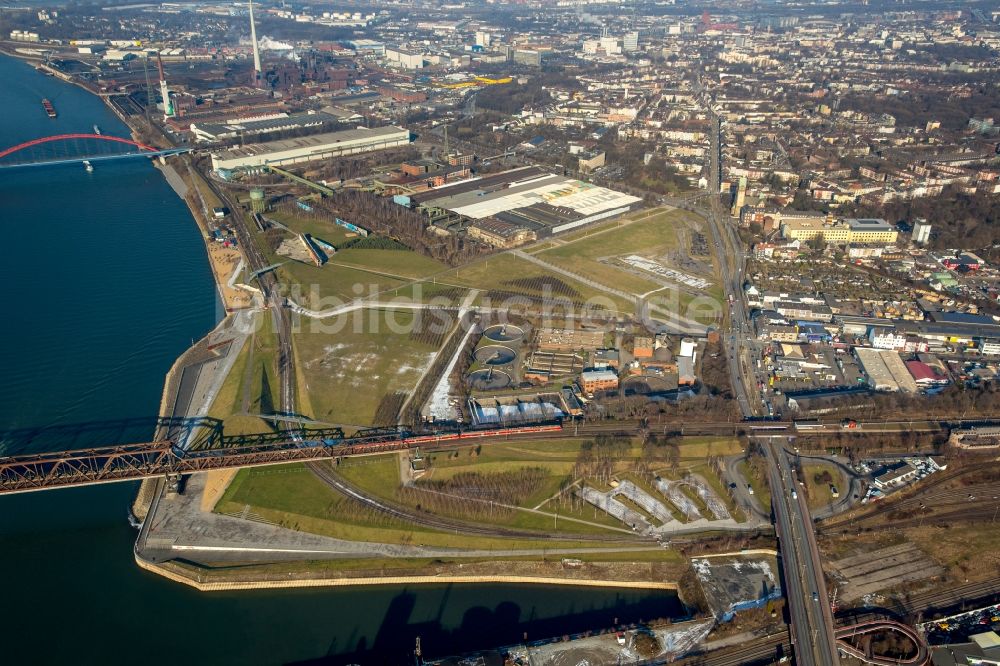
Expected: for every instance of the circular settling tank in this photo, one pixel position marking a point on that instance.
(495, 355)
(503, 333)
(488, 379)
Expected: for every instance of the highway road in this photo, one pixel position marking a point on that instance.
(732, 265)
(810, 616)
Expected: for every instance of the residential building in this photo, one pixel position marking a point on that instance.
(528, 57)
(867, 230)
(588, 161)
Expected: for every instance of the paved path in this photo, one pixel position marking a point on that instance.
(678, 323)
(180, 528)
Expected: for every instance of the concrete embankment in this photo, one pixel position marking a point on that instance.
(290, 581)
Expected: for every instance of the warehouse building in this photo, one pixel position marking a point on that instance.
(500, 234)
(310, 148)
(530, 198)
(230, 129)
(885, 370)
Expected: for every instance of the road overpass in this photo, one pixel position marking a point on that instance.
(810, 617)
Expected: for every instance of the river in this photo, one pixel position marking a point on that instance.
(106, 283)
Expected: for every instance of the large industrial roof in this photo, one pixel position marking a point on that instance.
(312, 141)
(521, 188)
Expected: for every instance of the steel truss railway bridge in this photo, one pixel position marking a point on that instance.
(206, 447)
(77, 148)
(209, 449)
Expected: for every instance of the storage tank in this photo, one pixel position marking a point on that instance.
(258, 203)
(688, 346)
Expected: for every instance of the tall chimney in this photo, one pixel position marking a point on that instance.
(256, 50)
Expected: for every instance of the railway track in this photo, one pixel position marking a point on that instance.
(976, 501)
(413, 517)
(767, 650)
(950, 597)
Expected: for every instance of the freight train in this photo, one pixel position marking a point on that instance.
(365, 442)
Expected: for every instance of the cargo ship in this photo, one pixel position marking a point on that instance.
(49, 109)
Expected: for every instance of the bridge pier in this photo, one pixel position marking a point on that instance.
(175, 484)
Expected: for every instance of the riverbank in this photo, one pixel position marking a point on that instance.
(179, 574)
(187, 392)
(88, 358)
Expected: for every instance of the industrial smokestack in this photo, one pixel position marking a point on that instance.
(256, 49)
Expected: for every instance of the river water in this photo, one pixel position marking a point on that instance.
(106, 282)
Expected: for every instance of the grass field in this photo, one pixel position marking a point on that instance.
(251, 387)
(291, 496)
(494, 272)
(347, 370)
(380, 476)
(310, 224)
(435, 293)
(350, 273)
(762, 492)
(818, 494)
(228, 403)
(654, 234)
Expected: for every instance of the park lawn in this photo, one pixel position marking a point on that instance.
(332, 285)
(539, 247)
(652, 235)
(264, 387)
(493, 272)
(228, 401)
(590, 230)
(435, 293)
(700, 448)
(377, 475)
(560, 469)
(519, 452)
(706, 472)
(409, 566)
(606, 274)
(402, 263)
(313, 225)
(603, 523)
(761, 490)
(655, 234)
(818, 495)
(292, 497)
(352, 361)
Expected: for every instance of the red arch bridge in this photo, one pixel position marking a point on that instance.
(77, 148)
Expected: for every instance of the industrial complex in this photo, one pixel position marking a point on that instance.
(529, 199)
(310, 148)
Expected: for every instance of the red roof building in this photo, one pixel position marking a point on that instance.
(924, 374)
